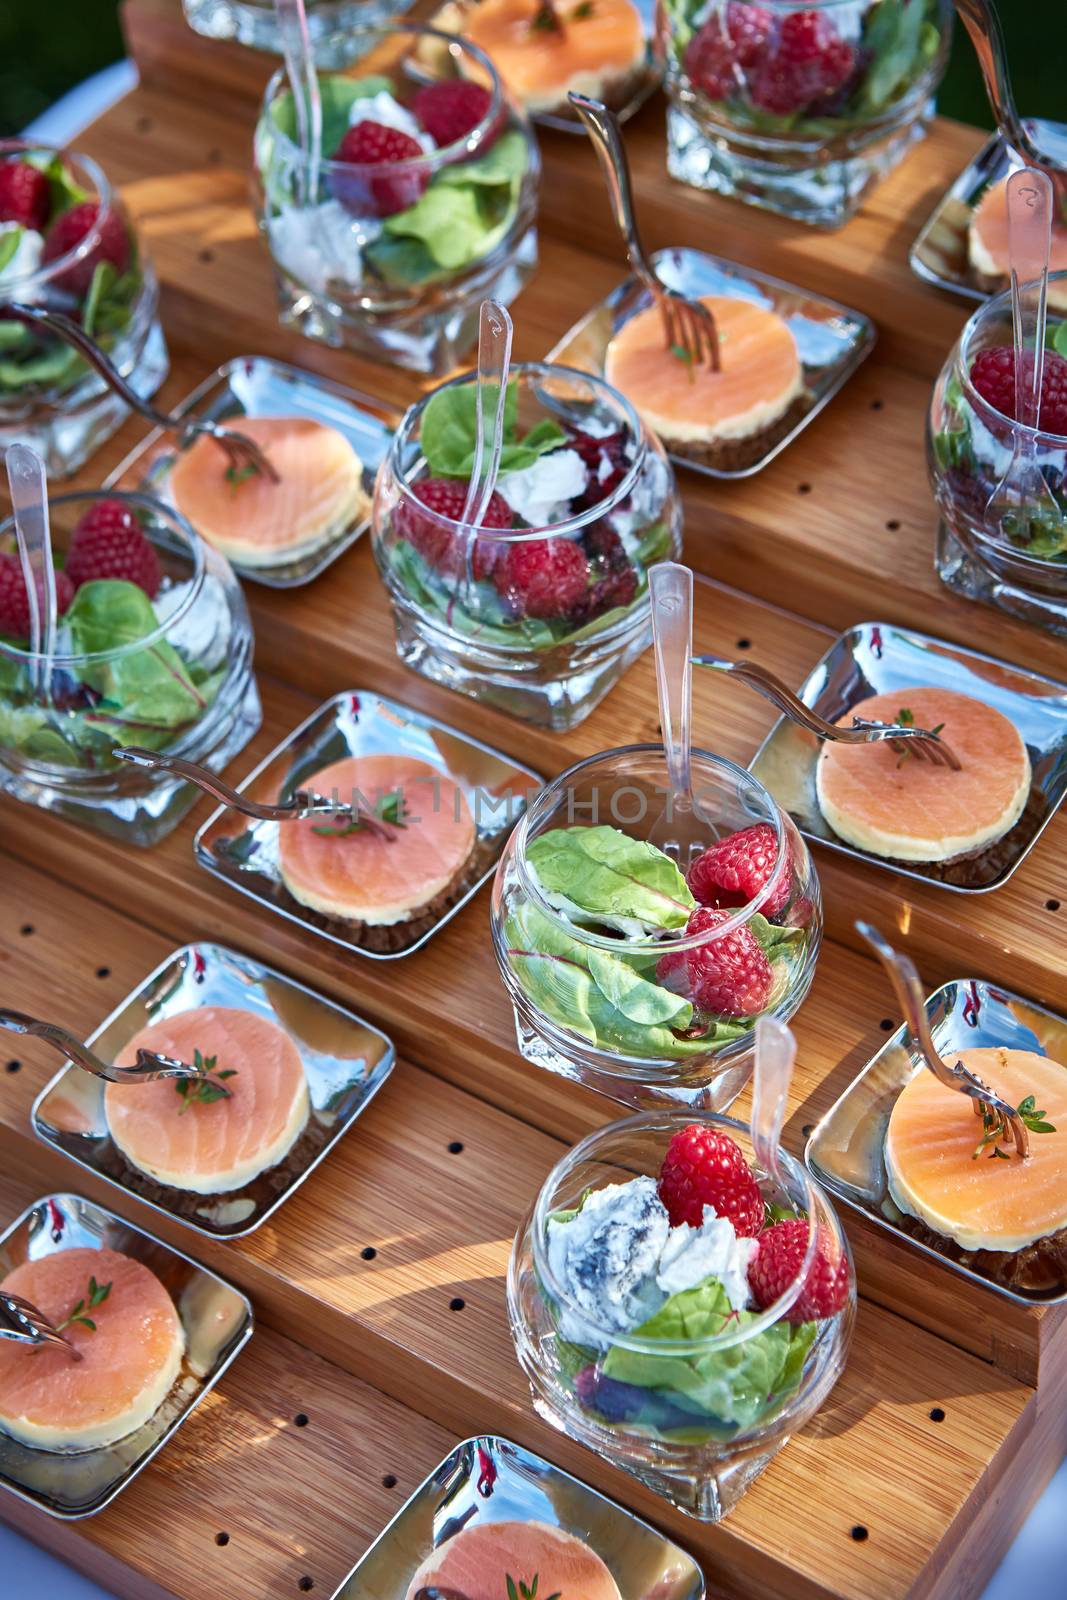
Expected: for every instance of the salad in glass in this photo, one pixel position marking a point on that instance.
(676, 1307)
(626, 974)
(423, 203)
(153, 649)
(66, 244)
(798, 108)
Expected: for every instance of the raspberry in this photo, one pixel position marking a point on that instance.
(69, 229)
(809, 61)
(610, 1399)
(25, 197)
(705, 1167)
(777, 1262)
(452, 109)
(436, 544)
(109, 542)
(372, 144)
(730, 40)
(542, 577)
(605, 456)
(729, 976)
(15, 600)
(734, 871)
(993, 375)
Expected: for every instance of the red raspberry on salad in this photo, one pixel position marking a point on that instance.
(450, 110)
(993, 375)
(777, 1262)
(68, 231)
(729, 975)
(730, 40)
(15, 600)
(437, 545)
(605, 456)
(705, 1167)
(25, 196)
(542, 578)
(372, 144)
(109, 542)
(732, 872)
(809, 61)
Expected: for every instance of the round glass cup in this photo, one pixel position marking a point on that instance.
(692, 1419)
(1001, 488)
(393, 260)
(254, 23)
(49, 397)
(568, 983)
(546, 649)
(180, 680)
(806, 140)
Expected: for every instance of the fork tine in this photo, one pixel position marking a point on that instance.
(664, 306)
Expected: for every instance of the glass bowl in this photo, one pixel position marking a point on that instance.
(555, 605)
(604, 1344)
(1001, 542)
(611, 983)
(799, 109)
(393, 259)
(254, 22)
(172, 672)
(83, 258)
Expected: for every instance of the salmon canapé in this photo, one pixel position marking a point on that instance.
(258, 522)
(129, 1359)
(478, 1561)
(590, 51)
(759, 378)
(900, 807)
(207, 1142)
(987, 241)
(988, 1203)
(366, 874)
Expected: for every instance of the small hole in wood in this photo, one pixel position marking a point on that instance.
(893, 525)
(300, 1420)
(103, 972)
(1052, 905)
(214, 157)
(14, 1066)
(144, 124)
(456, 1147)
(876, 405)
(456, 1304)
(222, 1538)
(886, 1024)
(859, 1533)
(803, 488)
(26, 929)
(369, 1253)
(937, 1414)
(206, 256)
(744, 644)
(305, 1584)
(389, 1481)
(808, 1129)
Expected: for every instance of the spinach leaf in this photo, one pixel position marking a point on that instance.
(894, 37)
(10, 240)
(141, 688)
(607, 874)
(450, 424)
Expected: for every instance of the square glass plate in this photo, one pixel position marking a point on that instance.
(217, 1320)
(488, 1479)
(845, 1152)
(346, 1061)
(832, 340)
(257, 386)
(941, 254)
(244, 853)
(873, 658)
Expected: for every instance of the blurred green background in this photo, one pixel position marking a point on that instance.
(47, 46)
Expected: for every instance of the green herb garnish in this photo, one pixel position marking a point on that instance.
(686, 357)
(545, 20)
(580, 12)
(994, 1127)
(208, 1087)
(235, 476)
(524, 1591)
(390, 808)
(97, 1294)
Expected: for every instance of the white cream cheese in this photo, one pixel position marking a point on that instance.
(319, 244)
(539, 494)
(26, 258)
(714, 1250)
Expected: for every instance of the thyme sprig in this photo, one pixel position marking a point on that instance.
(206, 1088)
(389, 809)
(95, 1296)
(523, 1591)
(994, 1127)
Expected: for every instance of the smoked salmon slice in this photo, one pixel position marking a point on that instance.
(129, 1362)
(988, 1203)
(362, 877)
(599, 41)
(910, 810)
(478, 1561)
(258, 522)
(217, 1146)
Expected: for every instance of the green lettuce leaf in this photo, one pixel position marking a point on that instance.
(1059, 339)
(9, 243)
(609, 875)
(450, 424)
(143, 688)
(338, 94)
(894, 36)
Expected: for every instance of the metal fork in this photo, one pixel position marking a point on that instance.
(147, 1068)
(23, 1323)
(904, 739)
(304, 803)
(909, 992)
(243, 453)
(688, 325)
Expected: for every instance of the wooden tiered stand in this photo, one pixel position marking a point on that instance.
(382, 1335)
